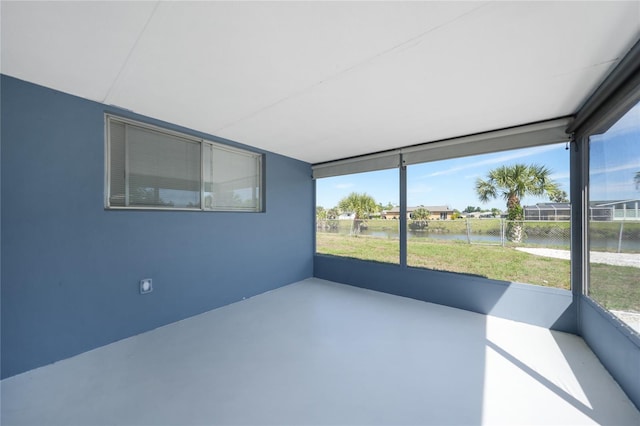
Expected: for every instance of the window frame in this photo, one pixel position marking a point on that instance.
(543, 133)
(398, 261)
(259, 161)
(614, 98)
(597, 127)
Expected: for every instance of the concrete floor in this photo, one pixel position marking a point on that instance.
(317, 352)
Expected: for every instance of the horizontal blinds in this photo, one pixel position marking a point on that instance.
(151, 167)
(163, 169)
(231, 179)
(531, 135)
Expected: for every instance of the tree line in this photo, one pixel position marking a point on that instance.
(361, 205)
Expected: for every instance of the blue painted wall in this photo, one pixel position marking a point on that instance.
(617, 347)
(542, 306)
(70, 268)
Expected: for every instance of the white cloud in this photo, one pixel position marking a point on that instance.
(560, 176)
(631, 165)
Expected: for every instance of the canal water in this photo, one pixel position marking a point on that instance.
(556, 241)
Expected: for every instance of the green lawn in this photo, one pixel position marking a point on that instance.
(615, 287)
(495, 262)
(365, 248)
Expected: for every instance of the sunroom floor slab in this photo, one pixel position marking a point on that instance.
(318, 352)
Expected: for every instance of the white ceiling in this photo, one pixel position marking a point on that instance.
(320, 81)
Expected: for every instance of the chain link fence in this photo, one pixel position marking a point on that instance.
(533, 233)
(613, 236)
(552, 234)
(620, 236)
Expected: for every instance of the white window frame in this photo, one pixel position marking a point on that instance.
(259, 196)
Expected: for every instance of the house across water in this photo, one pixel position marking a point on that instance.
(435, 212)
(598, 210)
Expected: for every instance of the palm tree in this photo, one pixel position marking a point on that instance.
(512, 183)
(559, 197)
(419, 217)
(361, 205)
(321, 213)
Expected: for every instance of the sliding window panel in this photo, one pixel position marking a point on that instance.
(231, 178)
(614, 219)
(503, 215)
(357, 216)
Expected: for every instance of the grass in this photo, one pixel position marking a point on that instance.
(364, 248)
(615, 287)
(495, 262)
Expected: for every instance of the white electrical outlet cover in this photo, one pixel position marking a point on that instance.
(146, 286)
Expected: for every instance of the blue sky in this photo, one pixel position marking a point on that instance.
(614, 158)
(447, 182)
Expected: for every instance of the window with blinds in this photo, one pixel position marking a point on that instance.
(153, 168)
